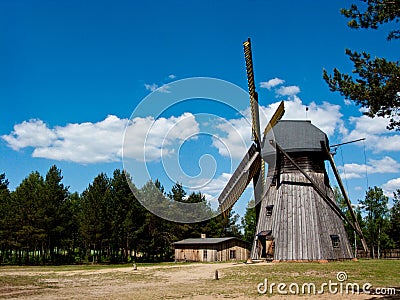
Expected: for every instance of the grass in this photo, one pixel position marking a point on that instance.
(239, 280)
(379, 273)
(81, 267)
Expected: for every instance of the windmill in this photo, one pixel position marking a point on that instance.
(297, 218)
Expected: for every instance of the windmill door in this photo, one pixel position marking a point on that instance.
(265, 244)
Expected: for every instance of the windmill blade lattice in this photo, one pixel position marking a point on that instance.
(248, 167)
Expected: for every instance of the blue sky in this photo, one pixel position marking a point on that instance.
(73, 72)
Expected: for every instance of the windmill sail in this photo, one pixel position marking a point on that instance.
(280, 111)
(252, 91)
(248, 167)
(258, 179)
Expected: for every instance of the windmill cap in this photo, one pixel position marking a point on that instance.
(294, 136)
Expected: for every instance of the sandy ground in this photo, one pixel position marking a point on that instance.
(194, 281)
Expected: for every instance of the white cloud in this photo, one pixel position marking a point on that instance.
(291, 90)
(271, 83)
(378, 138)
(82, 143)
(325, 116)
(212, 189)
(22, 136)
(347, 102)
(151, 87)
(391, 186)
(235, 136)
(234, 139)
(164, 89)
(215, 186)
(364, 124)
(288, 90)
(374, 166)
(103, 141)
(171, 76)
(154, 87)
(147, 139)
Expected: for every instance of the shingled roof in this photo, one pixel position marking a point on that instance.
(295, 136)
(204, 241)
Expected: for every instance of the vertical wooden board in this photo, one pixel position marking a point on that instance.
(278, 226)
(315, 226)
(270, 201)
(309, 227)
(297, 238)
(290, 210)
(303, 227)
(283, 224)
(300, 239)
(276, 223)
(326, 225)
(292, 224)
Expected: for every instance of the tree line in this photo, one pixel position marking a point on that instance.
(42, 222)
(379, 221)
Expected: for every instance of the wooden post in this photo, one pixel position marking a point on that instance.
(216, 275)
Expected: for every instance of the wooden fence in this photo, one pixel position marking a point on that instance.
(385, 254)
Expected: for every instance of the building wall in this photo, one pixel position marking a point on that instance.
(218, 252)
(241, 252)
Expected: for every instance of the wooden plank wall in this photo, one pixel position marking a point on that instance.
(218, 252)
(301, 221)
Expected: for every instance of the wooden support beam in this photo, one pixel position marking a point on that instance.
(348, 202)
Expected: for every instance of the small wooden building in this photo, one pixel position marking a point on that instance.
(211, 249)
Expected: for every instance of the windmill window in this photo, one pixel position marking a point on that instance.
(335, 241)
(269, 210)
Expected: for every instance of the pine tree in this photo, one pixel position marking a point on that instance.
(376, 82)
(249, 222)
(395, 219)
(5, 218)
(94, 216)
(376, 220)
(27, 219)
(54, 206)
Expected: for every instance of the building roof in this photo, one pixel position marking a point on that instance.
(204, 241)
(295, 136)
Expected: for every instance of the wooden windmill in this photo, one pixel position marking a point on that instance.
(297, 218)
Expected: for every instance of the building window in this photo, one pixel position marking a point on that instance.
(335, 241)
(205, 254)
(232, 254)
(269, 210)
